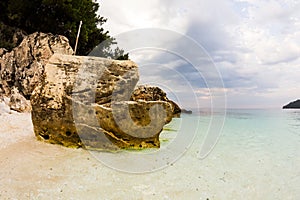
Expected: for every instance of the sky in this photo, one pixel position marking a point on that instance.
(248, 52)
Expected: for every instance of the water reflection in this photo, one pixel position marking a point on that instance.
(293, 117)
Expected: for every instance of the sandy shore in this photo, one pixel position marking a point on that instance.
(30, 169)
(35, 170)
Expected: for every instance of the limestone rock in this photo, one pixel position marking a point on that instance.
(2, 51)
(151, 93)
(18, 102)
(23, 67)
(83, 101)
(135, 124)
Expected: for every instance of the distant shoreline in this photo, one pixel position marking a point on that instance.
(293, 105)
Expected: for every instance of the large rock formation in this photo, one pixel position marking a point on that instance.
(93, 107)
(293, 105)
(152, 93)
(22, 68)
(85, 101)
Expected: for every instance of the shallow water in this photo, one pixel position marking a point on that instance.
(259, 154)
(256, 157)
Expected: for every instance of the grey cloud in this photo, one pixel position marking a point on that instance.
(215, 25)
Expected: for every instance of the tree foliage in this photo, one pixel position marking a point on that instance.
(59, 17)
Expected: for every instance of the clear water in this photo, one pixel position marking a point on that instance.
(256, 157)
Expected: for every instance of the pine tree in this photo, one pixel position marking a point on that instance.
(59, 17)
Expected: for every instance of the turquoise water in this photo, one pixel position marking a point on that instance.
(257, 155)
(273, 132)
(254, 130)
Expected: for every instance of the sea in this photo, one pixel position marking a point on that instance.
(256, 154)
(239, 154)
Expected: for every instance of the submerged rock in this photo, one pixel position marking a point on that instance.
(23, 67)
(85, 102)
(293, 105)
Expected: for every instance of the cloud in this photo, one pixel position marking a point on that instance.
(253, 43)
(133, 14)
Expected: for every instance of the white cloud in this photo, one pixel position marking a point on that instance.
(254, 43)
(134, 14)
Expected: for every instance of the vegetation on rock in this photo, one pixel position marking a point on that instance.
(57, 17)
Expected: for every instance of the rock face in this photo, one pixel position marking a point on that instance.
(151, 93)
(85, 102)
(293, 105)
(2, 51)
(23, 67)
(76, 104)
(18, 102)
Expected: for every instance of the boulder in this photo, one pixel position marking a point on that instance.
(85, 102)
(18, 102)
(152, 93)
(23, 67)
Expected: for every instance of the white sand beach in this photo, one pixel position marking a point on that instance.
(30, 169)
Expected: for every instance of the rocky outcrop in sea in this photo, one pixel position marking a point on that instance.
(81, 101)
(293, 105)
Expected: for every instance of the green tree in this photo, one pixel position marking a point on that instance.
(59, 17)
